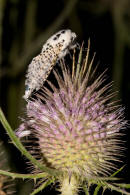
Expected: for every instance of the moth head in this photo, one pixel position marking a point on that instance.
(65, 37)
(27, 92)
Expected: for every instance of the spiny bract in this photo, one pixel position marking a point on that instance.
(55, 48)
(77, 127)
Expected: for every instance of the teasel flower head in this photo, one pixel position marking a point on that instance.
(76, 124)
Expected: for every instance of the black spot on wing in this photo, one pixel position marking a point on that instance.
(58, 35)
(63, 31)
(55, 38)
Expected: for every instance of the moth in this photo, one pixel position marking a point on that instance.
(54, 49)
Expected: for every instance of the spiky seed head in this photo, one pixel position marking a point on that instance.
(76, 124)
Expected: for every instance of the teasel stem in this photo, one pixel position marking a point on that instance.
(69, 185)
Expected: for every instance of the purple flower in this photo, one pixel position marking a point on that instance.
(76, 124)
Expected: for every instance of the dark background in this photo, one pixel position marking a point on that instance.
(26, 24)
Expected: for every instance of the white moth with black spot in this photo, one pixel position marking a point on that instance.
(55, 48)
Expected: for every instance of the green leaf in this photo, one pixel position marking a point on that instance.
(20, 146)
(119, 170)
(23, 176)
(123, 185)
(97, 189)
(99, 179)
(116, 188)
(41, 187)
(86, 190)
